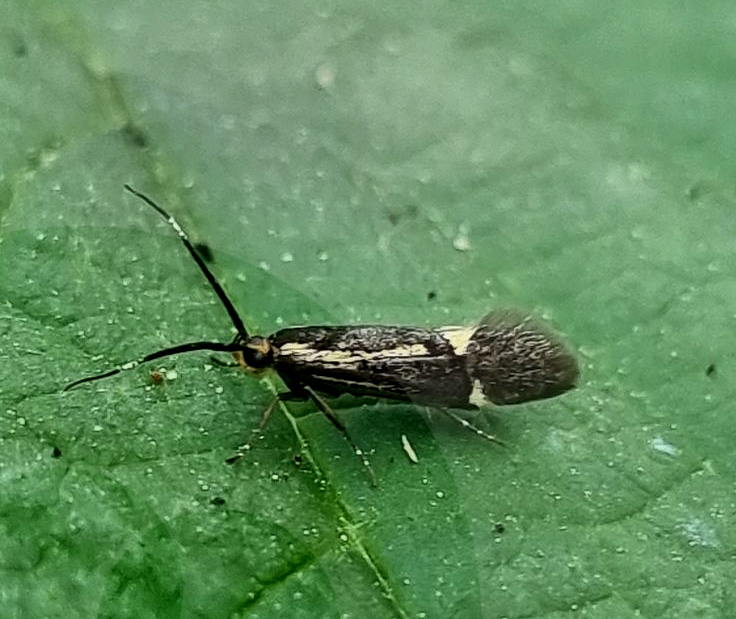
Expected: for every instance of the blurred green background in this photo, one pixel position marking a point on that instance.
(347, 163)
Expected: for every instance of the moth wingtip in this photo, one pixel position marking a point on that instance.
(518, 360)
(565, 369)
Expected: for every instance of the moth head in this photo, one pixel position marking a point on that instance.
(254, 354)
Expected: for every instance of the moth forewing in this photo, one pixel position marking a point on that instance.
(504, 359)
(397, 363)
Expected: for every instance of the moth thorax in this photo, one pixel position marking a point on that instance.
(255, 354)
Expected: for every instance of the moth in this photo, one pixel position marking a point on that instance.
(505, 358)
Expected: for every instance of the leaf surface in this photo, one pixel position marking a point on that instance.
(354, 164)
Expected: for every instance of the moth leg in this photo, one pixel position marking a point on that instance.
(466, 424)
(330, 414)
(286, 396)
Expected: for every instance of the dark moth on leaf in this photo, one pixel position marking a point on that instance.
(504, 359)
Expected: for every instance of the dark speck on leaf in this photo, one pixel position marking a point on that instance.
(431, 295)
(135, 135)
(218, 500)
(499, 527)
(710, 370)
(407, 211)
(697, 191)
(204, 251)
(56, 452)
(20, 49)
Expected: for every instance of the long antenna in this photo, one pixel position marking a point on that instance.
(219, 291)
(190, 346)
(166, 352)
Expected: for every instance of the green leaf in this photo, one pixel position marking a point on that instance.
(349, 164)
